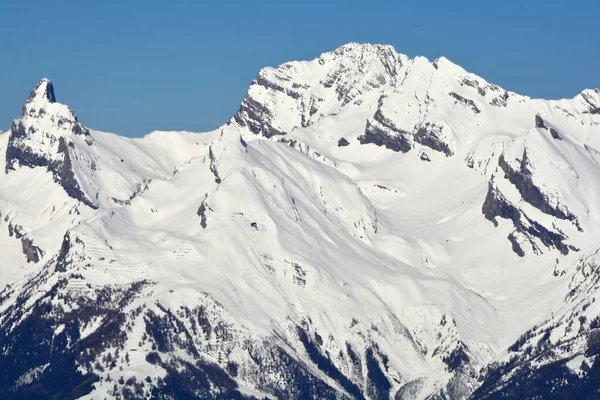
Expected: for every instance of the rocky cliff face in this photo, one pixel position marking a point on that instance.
(41, 138)
(298, 94)
(367, 226)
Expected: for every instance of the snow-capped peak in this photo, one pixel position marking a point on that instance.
(317, 88)
(43, 136)
(377, 239)
(43, 91)
(301, 93)
(363, 52)
(42, 104)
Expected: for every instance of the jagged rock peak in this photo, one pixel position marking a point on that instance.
(42, 102)
(44, 90)
(40, 98)
(366, 56)
(364, 49)
(318, 87)
(42, 138)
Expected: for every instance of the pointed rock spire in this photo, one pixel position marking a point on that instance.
(42, 137)
(40, 97)
(42, 103)
(43, 90)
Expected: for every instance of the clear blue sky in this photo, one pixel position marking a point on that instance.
(131, 67)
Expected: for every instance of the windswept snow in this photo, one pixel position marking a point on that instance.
(453, 220)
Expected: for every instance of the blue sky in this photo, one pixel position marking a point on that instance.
(131, 67)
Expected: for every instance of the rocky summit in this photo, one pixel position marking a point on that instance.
(366, 226)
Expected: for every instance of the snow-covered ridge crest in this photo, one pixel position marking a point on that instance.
(49, 135)
(410, 105)
(317, 88)
(298, 94)
(366, 226)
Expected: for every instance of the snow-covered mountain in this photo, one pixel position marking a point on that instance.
(366, 226)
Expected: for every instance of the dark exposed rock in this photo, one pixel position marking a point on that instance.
(187, 380)
(549, 238)
(15, 230)
(48, 93)
(263, 81)
(79, 129)
(501, 100)
(299, 275)
(121, 202)
(458, 357)
(429, 134)
(319, 339)
(379, 385)
(474, 84)
(19, 152)
(202, 214)
(141, 188)
(594, 108)
(171, 336)
(58, 355)
(496, 205)
(213, 165)
(522, 179)
(16, 152)
(516, 246)
(551, 381)
(243, 143)
(424, 157)
(66, 176)
(539, 122)
(32, 252)
(377, 136)
(256, 117)
(555, 135)
(343, 142)
(327, 366)
(293, 143)
(538, 369)
(465, 102)
(382, 131)
(61, 260)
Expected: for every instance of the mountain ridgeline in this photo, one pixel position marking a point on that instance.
(366, 226)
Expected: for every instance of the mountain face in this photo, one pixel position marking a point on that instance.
(366, 226)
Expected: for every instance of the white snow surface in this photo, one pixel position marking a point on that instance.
(313, 230)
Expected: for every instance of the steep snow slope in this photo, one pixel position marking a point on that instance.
(365, 226)
(94, 170)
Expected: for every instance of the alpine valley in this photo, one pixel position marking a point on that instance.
(366, 226)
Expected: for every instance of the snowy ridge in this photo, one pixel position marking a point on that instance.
(365, 226)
